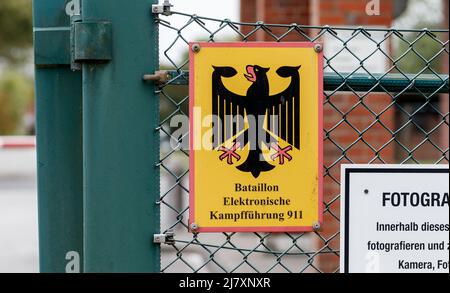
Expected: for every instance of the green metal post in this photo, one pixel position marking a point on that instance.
(59, 141)
(121, 145)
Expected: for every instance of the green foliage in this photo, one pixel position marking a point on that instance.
(15, 96)
(15, 29)
(425, 52)
(15, 40)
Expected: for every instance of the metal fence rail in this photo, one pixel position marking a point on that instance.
(395, 115)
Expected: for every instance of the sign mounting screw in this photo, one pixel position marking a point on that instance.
(316, 226)
(194, 227)
(318, 48)
(196, 48)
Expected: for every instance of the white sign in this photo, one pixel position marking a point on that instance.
(395, 219)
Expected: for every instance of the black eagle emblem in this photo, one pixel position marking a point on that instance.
(275, 117)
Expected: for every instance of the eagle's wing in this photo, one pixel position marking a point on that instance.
(286, 106)
(225, 106)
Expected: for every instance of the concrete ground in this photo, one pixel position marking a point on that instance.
(18, 211)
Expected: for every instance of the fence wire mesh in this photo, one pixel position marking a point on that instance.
(401, 116)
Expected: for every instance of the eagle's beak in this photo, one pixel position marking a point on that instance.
(251, 76)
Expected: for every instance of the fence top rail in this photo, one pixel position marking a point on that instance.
(324, 27)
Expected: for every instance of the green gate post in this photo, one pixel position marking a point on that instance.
(121, 145)
(59, 141)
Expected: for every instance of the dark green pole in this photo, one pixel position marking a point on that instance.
(59, 141)
(121, 145)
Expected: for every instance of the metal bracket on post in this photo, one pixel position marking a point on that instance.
(159, 77)
(91, 42)
(163, 9)
(166, 238)
(73, 9)
(73, 65)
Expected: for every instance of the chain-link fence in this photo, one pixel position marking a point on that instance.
(385, 101)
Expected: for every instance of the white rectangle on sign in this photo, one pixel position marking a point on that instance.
(395, 218)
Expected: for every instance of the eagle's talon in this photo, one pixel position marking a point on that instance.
(229, 154)
(281, 153)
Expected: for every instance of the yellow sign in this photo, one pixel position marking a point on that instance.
(256, 137)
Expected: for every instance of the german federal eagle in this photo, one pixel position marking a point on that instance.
(280, 113)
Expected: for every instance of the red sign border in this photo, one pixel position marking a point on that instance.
(277, 229)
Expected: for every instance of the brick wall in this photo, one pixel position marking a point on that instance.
(353, 12)
(350, 12)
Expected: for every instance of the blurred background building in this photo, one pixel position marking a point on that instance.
(18, 211)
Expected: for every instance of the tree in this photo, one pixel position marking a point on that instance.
(15, 29)
(426, 51)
